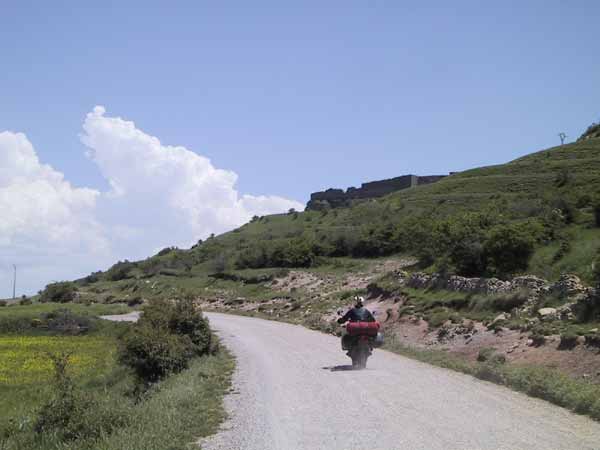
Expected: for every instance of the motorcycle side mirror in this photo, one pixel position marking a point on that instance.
(339, 312)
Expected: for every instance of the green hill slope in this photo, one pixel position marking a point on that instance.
(534, 214)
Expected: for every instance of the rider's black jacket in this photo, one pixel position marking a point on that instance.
(357, 315)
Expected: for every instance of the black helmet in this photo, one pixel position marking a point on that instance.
(359, 302)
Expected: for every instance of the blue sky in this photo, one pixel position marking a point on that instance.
(296, 97)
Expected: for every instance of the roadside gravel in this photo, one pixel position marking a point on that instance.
(292, 390)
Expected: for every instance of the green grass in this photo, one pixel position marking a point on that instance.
(585, 244)
(35, 309)
(184, 408)
(22, 319)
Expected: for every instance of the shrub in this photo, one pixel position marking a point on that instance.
(510, 301)
(439, 317)
(485, 354)
(65, 321)
(566, 208)
(72, 414)
(165, 251)
(120, 271)
(592, 339)
(3, 303)
(468, 257)
(61, 292)
(297, 252)
(508, 249)
(490, 372)
(93, 277)
(565, 247)
(568, 340)
(538, 339)
(187, 320)
(166, 337)
(135, 301)
(490, 355)
(25, 301)
(596, 271)
(154, 352)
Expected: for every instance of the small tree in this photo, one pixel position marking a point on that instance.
(508, 249)
(61, 292)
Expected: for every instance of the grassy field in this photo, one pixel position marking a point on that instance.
(26, 370)
(172, 414)
(36, 309)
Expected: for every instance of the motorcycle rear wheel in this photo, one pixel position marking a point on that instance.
(359, 359)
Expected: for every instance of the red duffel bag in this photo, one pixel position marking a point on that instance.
(362, 328)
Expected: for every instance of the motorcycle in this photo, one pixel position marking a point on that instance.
(359, 339)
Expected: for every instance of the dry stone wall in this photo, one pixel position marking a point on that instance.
(569, 288)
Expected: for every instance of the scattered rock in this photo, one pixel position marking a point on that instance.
(499, 317)
(547, 313)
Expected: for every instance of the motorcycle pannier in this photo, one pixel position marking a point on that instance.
(362, 328)
(378, 340)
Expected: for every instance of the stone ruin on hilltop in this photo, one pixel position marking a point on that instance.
(336, 198)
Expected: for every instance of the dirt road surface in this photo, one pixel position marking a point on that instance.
(292, 391)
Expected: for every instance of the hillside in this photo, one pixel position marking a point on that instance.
(548, 195)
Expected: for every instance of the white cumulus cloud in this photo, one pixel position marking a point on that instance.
(160, 195)
(169, 187)
(46, 226)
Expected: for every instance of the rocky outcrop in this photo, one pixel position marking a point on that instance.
(547, 313)
(336, 198)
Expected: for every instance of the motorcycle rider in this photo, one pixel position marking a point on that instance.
(357, 314)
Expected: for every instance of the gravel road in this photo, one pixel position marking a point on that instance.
(292, 391)
(129, 317)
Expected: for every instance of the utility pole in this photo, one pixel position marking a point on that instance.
(562, 137)
(15, 282)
